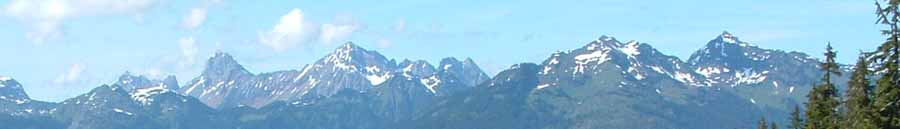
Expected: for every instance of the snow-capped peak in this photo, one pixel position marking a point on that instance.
(350, 57)
(343, 53)
(604, 42)
(606, 38)
(728, 38)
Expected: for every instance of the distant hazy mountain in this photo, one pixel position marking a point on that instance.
(225, 83)
(606, 84)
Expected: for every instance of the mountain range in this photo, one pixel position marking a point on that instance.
(607, 83)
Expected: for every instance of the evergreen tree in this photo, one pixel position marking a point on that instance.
(773, 125)
(821, 108)
(796, 119)
(887, 113)
(859, 114)
(762, 124)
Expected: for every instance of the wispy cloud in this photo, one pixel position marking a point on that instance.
(46, 17)
(336, 32)
(195, 18)
(340, 28)
(384, 43)
(73, 74)
(290, 31)
(188, 51)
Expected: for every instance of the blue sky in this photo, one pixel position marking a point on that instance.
(62, 48)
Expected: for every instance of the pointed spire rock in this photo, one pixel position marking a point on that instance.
(728, 38)
(604, 42)
(223, 64)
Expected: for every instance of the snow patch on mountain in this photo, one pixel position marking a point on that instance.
(554, 60)
(631, 49)
(199, 82)
(430, 83)
(599, 56)
(375, 78)
(710, 71)
(122, 111)
(749, 76)
(728, 38)
(145, 96)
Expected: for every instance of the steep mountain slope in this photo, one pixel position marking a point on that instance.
(502, 101)
(766, 77)
(222, 77)
(19, 111)
(111, 107)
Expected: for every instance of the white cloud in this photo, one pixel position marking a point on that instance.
(384, 43)
(335, 32)
(153, 73)
(72, 75)
(188, 50)
(290, 31)
(46, 17)
(400, 26)
(195, 18)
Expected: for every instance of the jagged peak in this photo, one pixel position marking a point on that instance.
(350, 46)
(406, 62)
(728, 38)
(607, 38)
(350, 56)
(409, 65)
(221, 57)
(448, 63)
(726, 45)
(223, 63)
(346, 50)
(129, 76)
(603, 43)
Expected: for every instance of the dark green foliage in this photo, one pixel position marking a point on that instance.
(859, 114)
(762, 124)
(887, 55)
(823, 101)
(796, 119)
